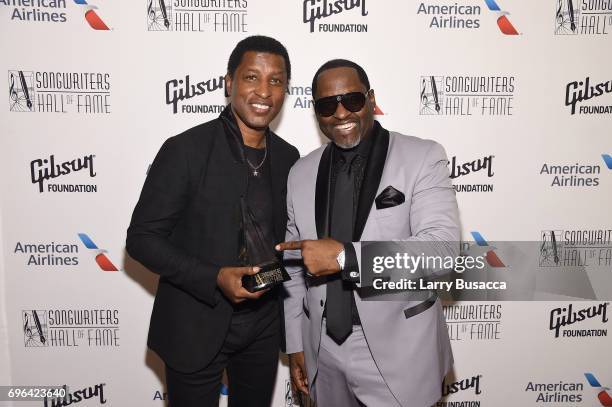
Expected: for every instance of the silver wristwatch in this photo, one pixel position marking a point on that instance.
(341, 259)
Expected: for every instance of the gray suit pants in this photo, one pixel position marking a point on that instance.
(347, 375)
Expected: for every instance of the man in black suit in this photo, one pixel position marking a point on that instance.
(186, 228)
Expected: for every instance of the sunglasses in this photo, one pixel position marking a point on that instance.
(353, 102)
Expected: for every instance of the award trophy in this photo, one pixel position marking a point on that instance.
(255, 251)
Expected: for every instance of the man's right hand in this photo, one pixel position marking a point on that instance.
(297, 368)
(229, 281)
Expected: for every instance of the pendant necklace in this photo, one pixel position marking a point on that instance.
(256, 168)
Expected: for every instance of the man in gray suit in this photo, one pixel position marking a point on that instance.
(368, 184)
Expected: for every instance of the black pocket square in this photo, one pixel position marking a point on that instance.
(389, 197)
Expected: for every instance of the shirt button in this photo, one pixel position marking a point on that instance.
(354, 274)
(321, 302)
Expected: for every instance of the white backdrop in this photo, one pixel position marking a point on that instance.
(114, 108)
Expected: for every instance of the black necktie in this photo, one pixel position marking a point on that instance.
(339, 292)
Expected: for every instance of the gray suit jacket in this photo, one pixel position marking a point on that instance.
(411, 349)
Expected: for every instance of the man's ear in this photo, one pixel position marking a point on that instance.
(228, 85)
(372, 98)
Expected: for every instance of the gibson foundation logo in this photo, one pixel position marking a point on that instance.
(91, 392)
(581, 91)
(488, 96)
(197, 15)
(180, 90)
(474, 322)
(462, 385)
(316, 10)
(587, 247)
(59, 92)
(460, 389)
(574, 314)
(576, 17)
(566, 175)
(71, 328)
(483, 165)
(48, 170)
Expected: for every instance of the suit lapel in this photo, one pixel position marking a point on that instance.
(278, 177)
(371, 179)
(232, 134)
(322, 193)
(235, 170)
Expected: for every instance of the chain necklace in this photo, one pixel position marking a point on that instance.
(256, 168)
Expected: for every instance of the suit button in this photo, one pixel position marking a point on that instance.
(321, 302)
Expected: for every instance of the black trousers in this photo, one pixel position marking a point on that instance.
(250, 357)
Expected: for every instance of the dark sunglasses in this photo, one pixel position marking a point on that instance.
(353, 102)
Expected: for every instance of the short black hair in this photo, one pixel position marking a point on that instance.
(257, 43)
(341, 63)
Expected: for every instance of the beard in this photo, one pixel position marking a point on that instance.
(347, 144)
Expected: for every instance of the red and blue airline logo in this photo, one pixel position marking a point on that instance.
(92, 18)
(602, 392)
(503, 22)
(103, 261)
(608, 160)
(491, 256)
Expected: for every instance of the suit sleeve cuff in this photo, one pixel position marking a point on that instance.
(351, 267)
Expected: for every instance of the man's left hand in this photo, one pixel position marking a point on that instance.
(319, 255)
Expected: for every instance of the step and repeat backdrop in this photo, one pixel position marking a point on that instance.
(518, 92)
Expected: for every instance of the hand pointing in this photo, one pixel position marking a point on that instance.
(319, 255)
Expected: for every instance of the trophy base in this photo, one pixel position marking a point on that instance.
(270, 274)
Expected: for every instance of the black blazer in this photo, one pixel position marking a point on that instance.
(185, 227)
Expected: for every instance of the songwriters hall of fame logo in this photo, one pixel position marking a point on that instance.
(21, 91)
(466, 95)
(473, 322)
(197, 15)
(59, 92)
(577, 17)
(61, 328)
(35, 330)
(562, 248)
